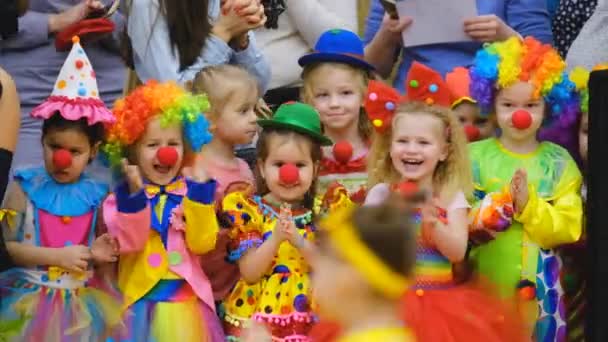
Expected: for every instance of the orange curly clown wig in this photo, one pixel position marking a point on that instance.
(169, 101)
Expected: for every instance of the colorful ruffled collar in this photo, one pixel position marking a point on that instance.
(72, 199)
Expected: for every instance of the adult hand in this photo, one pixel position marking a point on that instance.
(58, 22)
(488, 28)
(392, 28)
(237, 18)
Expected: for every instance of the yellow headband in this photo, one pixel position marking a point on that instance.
(345, 239)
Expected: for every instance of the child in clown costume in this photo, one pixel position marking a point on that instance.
(51, 222)
(162, 216)
(476, 126)
(272, 234)
(522, 83)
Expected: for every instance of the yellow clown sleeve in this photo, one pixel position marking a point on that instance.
(557, 220)
(201, 226)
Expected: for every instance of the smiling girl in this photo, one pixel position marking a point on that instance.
(272, 233)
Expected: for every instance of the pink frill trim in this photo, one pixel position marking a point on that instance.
(284, 320)
(94, 110)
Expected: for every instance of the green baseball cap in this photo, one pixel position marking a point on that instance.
(298, 117)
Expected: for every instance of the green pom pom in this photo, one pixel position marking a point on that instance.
(414, 84)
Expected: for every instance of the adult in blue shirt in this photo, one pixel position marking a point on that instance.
(497, 20)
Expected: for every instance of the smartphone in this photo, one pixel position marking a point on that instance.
(390, 7)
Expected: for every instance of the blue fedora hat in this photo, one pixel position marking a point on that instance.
(339, 46)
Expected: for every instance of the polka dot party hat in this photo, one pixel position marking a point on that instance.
(75, 94)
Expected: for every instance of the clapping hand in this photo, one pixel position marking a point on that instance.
(519, 190)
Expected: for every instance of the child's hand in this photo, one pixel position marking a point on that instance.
(290, 230)
(133, 177)
(74, 258)
(105, 249)
(197, 172)
(281, 230)
(256, 332)
(519, 190)
(430, 220)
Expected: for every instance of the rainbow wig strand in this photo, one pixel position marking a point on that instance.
(502, 64)
(168, 100)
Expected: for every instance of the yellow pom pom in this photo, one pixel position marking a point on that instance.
(75, 39)
(580, 77)
(377, 122)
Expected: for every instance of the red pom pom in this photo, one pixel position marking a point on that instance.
(62, 159)
(521, 119)
(472, 132)
(79, 64)
(167, 156)
(527, 292)
(343, 151)
(407, 188)
(289, 174)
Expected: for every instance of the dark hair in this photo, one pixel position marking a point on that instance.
(188, 25)
(263, 149)
(94, 133)
(387, 231)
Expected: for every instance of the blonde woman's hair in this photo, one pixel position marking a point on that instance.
(451, 175)
(222, 83)
(312, 71)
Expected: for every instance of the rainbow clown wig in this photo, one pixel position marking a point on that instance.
(169, 101)
(502, 64)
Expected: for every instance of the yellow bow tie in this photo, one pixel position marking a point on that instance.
(173, 188)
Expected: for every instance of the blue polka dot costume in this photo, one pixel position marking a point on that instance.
(281, 299)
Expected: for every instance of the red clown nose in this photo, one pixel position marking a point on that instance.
(521, 119)
(407, 188)
(472, 132)
(167, 156)
(62, 159)
(343, 151)
(289, 174)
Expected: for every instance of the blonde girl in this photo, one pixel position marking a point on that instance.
(421, 142)
(335, 81)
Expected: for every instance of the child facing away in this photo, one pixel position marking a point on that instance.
(335, 80)
(528, 192)
(272, 233)
(423, 143)
(476, 126)
(233, 94)
(162, 215)
(51, 222)
(365, 259)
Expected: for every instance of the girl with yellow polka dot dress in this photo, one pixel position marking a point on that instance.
(272, 234)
